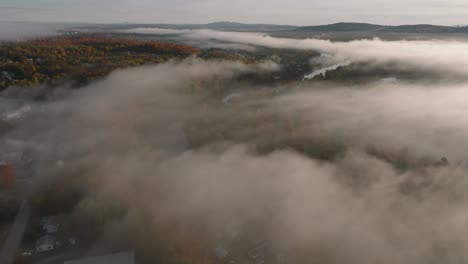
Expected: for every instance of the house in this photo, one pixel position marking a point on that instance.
(28, 251)
(72, 241)
(50, 224)
(257, 253)
(231, 97)
(4, 75)
(41, 61)
(119, 258)
(220, 252)
(18, 113)
(46, 243)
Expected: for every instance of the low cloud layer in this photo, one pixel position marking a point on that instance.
(156, 31)
(332, 174)
(448, 57)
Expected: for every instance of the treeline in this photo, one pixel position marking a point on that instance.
(79, 58)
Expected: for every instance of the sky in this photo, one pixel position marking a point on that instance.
(294, 12)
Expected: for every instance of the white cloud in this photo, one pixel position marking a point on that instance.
(434, 55)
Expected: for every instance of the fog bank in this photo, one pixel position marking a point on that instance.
(433, 55)
(330, 173)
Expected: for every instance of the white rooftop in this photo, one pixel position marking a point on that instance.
(119, 258)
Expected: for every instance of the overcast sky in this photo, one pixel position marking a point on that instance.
(298, 12)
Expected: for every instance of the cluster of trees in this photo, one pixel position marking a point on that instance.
(233, 55)
(83, 58)
(294, 63)
(91, 213)
(361, 72)
(79, 58)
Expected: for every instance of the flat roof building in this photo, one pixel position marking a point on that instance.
(119, 258)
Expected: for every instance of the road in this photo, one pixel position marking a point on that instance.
(15, 235)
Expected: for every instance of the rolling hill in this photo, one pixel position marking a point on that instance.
(341, 27)
(364, 27)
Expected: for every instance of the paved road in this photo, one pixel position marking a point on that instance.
(13, 241)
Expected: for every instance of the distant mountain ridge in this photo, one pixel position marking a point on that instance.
(361, 27)
(336, 27)
(227, 26)
(342, 26)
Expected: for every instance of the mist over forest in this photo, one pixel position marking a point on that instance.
(181, 143)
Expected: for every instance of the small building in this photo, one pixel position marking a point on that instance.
(119, 258)
(18, 113)
(41, 61)
(231, 97)
(46, 243)
(28, 251)
(50, 224)
(4, 75)
(220, 252)
(72, 241)
(257, 253)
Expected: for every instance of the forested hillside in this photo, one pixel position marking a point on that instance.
(79, 58)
